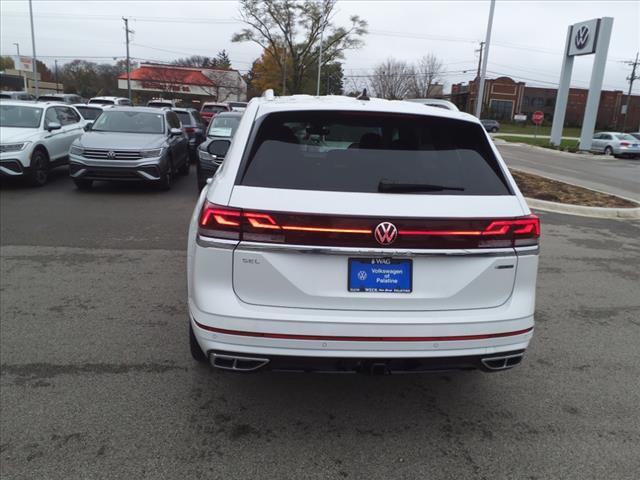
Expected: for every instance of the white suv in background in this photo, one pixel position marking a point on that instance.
(364, 235)
(35, 137)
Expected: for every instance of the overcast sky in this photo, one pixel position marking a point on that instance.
(527, 41)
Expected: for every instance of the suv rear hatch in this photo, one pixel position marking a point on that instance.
(352, 211)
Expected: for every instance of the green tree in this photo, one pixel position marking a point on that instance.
(297, 26)
(6, 63)
(222, 59)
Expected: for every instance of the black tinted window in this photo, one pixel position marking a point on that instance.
(89, 113)
(185, 118)
(357, 152)
(172, 120)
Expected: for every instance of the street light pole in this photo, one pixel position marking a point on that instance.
(483, 74)
(56, 73)
(33, 47)
(127, 31)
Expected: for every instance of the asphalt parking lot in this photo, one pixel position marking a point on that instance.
(97, 381)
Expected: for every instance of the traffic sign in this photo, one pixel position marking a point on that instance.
(537, 117)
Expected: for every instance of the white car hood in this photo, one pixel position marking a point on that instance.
(15, 135)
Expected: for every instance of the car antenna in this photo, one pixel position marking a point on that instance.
(363, 95)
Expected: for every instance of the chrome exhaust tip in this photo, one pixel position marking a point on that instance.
(236, 363)
(502, 362)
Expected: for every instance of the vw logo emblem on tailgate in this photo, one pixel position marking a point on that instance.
(385, 233)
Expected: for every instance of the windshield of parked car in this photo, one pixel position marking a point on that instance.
(222, 126)
(129, 122)
(89, 113)
(50, 98)
(185, 118)
(214, 108)
(238, 105)
(101, 102)
(359, 152)
(20, 116)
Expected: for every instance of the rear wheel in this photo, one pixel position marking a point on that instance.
(39, 168)
(196, 352)
(494, 129)
(83, 184)
(608, 151)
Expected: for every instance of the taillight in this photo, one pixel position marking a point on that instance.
(189, 130)
(221, 222)
(624, 144)
(310, 229)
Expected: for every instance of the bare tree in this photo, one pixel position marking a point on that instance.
(392, 79)
(428, 73)
(298, 26)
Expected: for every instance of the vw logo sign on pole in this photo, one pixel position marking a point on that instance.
(385, 233)
(582, 37)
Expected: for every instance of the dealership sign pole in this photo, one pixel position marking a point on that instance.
(584, 38)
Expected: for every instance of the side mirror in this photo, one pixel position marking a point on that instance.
(88, 126)
(53, 126)
(174, 132)
(219, 148)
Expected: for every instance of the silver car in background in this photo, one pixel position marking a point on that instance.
(617, 144)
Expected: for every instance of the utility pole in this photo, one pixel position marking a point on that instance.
(480, 59)
(631, 79)
(33, 46)
(320, 62)
(127, 32)
(56, 73)
(483, 72)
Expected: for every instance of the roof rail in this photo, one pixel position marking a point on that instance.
(268, 94)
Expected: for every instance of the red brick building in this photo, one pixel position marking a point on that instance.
(505, 98)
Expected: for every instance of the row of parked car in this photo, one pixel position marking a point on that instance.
(110, 141)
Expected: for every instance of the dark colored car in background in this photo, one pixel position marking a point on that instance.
(194, 127)
(210, 109)
(130, 143)
(490, 125)
(212, 151)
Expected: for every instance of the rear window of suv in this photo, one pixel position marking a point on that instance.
(372, 152)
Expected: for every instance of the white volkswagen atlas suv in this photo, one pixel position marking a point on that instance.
(360, 235)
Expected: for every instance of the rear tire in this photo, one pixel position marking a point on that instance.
(39, 173)
(608, 151)
(494, 130)
(83, 184)
(196, 352)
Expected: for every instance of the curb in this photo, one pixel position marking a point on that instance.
(583, 211)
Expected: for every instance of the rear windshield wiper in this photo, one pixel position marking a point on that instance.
(393, 187)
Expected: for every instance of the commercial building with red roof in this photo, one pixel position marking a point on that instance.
(190, 84)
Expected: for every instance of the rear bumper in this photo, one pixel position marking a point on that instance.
(353, 337)
(374, 366)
